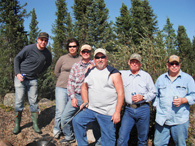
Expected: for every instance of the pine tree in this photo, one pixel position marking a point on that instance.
(100, 31)
(170, 37)
(34, 30)
(59, 29)
(123, 26)
(13, 38)
(144, 21)
(81, 14)
(184, 49)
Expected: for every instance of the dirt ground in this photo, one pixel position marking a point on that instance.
(27, 136)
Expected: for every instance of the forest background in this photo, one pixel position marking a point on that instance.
(135, 30)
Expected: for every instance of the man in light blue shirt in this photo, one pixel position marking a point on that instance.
(176, 92)
(139, 90)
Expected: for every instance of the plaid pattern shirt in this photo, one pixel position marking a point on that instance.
(76, 77)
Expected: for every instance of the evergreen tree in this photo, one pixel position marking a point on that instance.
(59, 29)
(99, 32)
(184, 49)
(144, 21)
(81, 14)
(170, 37)
(123, 26)
(13, 38)
(34, 30)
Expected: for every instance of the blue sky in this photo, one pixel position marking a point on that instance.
(180, 12)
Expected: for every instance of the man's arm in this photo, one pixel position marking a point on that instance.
(84, 93)
(118, 83)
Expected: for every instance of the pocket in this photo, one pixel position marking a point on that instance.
(162, 91)
(182, 90)
(142, 88)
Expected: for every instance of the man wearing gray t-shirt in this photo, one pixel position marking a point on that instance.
(103, 90)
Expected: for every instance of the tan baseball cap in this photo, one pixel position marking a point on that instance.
(100, 50)
(174, 58)
(87, 47)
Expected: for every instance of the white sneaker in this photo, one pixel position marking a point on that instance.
(56, 135)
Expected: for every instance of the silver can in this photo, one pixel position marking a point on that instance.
(175, 97)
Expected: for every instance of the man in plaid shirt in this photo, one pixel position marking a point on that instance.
(76, 77)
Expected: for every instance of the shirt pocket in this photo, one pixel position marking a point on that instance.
(142, 88)
(162, 91)
(182, 90)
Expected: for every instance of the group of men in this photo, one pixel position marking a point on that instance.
(104, 88)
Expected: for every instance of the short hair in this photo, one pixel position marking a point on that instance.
(70, 41)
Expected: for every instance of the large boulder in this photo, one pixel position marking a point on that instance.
(9, 99)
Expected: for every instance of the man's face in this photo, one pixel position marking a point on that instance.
(72, 48)
(134, 65)
(100, 61)
(173, 67)
(86, 54)
(42, 43)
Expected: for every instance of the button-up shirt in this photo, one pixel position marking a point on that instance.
(182, 86)
(76, 77)
(140, 83)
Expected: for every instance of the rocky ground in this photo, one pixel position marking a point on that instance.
(27, 136)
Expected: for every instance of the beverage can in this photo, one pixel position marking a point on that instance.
(134, 93)
(175, 97)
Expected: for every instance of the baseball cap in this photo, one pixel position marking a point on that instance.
(135, 56)
(87, 47)
(174, 58)
(100, 50)
(43, 35)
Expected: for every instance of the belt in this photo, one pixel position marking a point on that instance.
(136, 105)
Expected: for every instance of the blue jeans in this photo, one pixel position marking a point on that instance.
(29, 86)
(139, 116)
(67, 114)
(61, 101)
(108, 129)
(163, 133)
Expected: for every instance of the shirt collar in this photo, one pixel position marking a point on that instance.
(179, 75)
(138, 74)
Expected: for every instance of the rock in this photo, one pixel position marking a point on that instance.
(4, 142)
(9, 99)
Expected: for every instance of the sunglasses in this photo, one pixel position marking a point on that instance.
(45, 40)
(102, 57)
(176, 63)
(88, 51)
(72, 46)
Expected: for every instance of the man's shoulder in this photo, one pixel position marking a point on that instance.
(112, 69)
(185, 75)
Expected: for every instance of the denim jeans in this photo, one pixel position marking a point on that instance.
(108, 129)
(67, 114)
(179, 134)
(61, 101)
(139, 116)
(29, 86)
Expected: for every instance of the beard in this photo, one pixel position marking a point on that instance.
(100, 65)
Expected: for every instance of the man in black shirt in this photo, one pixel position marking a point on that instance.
(28, 64)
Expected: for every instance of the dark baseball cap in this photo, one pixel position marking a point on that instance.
(43, 35)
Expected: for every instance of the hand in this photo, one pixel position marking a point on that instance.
(116, 118)
(89, 67)
(177, 102)
(20, 77)
(137, 98)
(84, 104)
(74, 102)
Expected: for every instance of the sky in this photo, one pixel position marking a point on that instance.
(180, 12)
